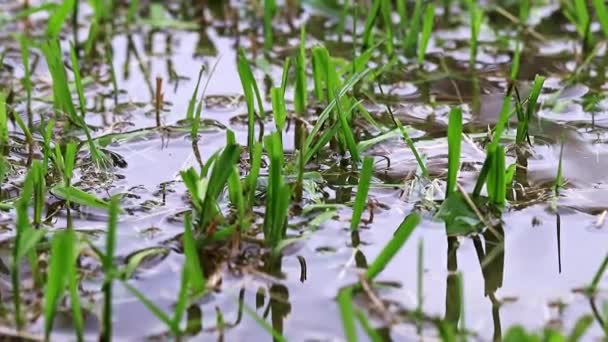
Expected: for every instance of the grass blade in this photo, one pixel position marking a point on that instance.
(392, 247)
(454, 142)
(362, 190)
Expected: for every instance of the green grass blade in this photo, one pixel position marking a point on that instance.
(454, 142)
(162, 316)
(300, 94)
(61, 257)
(58, 18)
(277, 337)
(347, 313)
(362, 190)
(193, 265)
(602, 15)
(278, 108)
(4, 143)
(373, 335)
(410, 42)
(78, 81)
(270, 7)
(75, 195)
(427, 29)
(394, 245)
(108, 268)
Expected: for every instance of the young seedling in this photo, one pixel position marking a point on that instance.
(454, 142)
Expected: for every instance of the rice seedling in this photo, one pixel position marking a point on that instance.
(362, 190)
(278, 194)
(235, 190)
(400, 237)
(132, 12)
(373, 335)
(205, 188)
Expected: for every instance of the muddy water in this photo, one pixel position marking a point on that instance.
(527, 279)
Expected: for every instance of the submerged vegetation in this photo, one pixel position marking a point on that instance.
(122, 197)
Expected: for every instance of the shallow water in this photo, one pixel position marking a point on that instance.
(545, 255)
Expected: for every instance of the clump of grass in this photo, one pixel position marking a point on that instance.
(206, 187)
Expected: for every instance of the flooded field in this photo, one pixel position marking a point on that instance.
(303, 170)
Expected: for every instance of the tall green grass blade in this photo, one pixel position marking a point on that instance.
(454, 142)
(78, 81)
(393, 246)
(361, 199)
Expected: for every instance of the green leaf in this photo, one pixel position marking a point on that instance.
(362, 190)
(75, 195)
(394, 245)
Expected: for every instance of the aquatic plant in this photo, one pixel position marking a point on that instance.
(362, 190)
